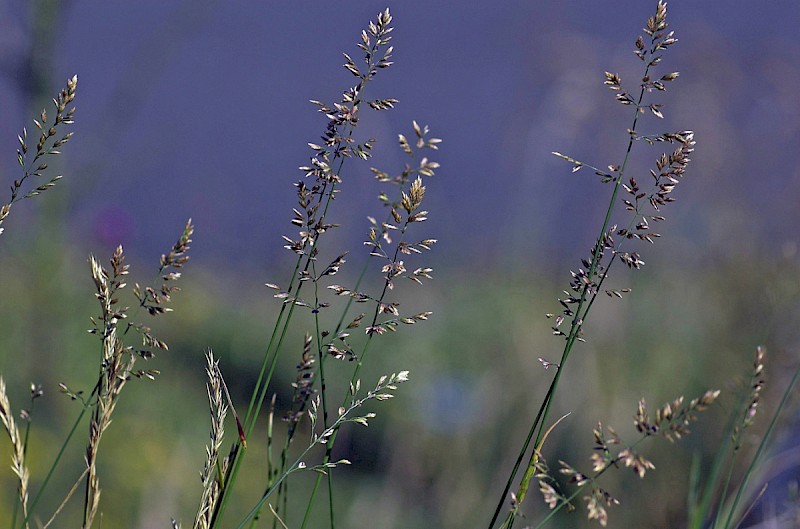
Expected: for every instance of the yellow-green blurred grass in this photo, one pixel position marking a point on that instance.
(435, 456)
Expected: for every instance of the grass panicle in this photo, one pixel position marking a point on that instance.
(18, 464)
(33, 162)
(213, 467)
(388, 243)
(117, 362)
(671, 422)
(117, 358)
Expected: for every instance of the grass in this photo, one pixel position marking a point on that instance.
(643, 207)
(273, 456)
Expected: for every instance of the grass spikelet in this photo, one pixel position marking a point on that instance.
(213, 469)
(609, 452)
(18, 465)
(117, 358)
(46, 145)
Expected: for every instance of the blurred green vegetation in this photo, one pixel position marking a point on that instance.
(437, 454)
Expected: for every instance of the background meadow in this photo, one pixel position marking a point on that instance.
(199, 109)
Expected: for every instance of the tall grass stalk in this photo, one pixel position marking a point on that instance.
(387, 242)
(644, 207)
(327, 165)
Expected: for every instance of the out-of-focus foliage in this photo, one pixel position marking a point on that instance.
(438, 454)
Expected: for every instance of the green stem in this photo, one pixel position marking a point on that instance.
(326, 433)
(53, 466)
(521, 455)
(294, 467)
(761, 447)
(359, 363)
(700, 513)
(310, 503)
(24, 452)
(725, 488)
(324, 400)
(252, 412)
(270, 358)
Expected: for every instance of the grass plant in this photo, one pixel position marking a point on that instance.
(344, 320)
(390, 250)
(634, 208)
(641, 205)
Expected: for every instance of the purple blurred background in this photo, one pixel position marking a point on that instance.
(199, 109)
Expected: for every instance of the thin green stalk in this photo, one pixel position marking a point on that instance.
(238, 454)
(329, 447)
(385, 383)
(324, 400)
(310, 503)
(725, 488)
(295, 466)
(693, 494)
(309, 262)
(761, 447)
(282, 489)
(700, 514)
(354, 378)
(262, 385)
(521, 456)
(55, 463)
(271, 470)
(265, 375)
(272, 337)
(733, 449)
(282, 494)
(270, 463)
(253, 408)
